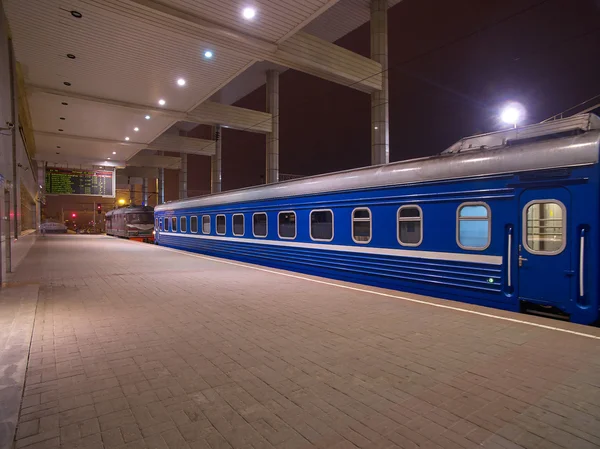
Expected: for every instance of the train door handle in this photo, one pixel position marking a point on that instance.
(521, 260)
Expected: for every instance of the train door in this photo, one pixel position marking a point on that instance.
(545, 272)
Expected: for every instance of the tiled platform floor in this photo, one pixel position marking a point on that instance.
(141, 347)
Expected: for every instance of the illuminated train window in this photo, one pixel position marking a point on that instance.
(361, 225)
(545, 227)
(259, 224)
(205, 224)
(221, 227)
(238, 224)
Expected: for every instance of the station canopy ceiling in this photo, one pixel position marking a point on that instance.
(108, 78)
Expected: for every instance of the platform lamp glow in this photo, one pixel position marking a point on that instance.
(512, 114)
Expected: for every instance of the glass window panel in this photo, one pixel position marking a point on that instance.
(321, 225)
(410, 212)
(287, 225)
(173, 224)
(473, 211)
(544, 227)
(473, 233)
(206, 224)
(259, 224)
(221, 224)
(194, 225)
(361, 225)
(183, 224)
(410, 232)
(238, 224)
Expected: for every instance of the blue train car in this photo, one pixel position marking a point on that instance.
(504, 220)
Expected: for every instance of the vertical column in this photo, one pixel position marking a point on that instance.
(215, 162)
(272, 168)
(183, 177)
(380, 136)
(131, 194)
(161, 183)
(144, 191)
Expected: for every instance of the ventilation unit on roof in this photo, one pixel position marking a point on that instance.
(540, 131)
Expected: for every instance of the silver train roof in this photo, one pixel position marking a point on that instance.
(509, 151)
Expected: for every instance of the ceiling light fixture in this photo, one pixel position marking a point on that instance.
(136, 129)
(66, 83)
(108, 158)
(64, 103)
(126, 138)
(162, 102)
(76, 14)
(61, 130)
(147, 117)
(181, 82)
(114, 152)
(71, 56)
(249, 13)
(208, 54)
(57, 146)
(62, 118)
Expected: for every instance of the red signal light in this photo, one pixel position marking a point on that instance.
(73, 215)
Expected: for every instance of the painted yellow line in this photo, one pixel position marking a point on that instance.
(387, 295)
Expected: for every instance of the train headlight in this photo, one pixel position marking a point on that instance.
(153, 232)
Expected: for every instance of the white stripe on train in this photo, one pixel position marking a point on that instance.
(431, 255)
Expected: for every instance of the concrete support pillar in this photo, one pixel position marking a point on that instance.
(160, 188)
(144, 191)
(215, 162)
(183, 177)
(131, 194)
(272, 168)
(380, 134)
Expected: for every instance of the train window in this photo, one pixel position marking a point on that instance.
(160, 224)
(473, 227)
(545, 227)
(287, 225)
(238, 224)
(194, 225)
(221, 224)
(173, 224)
(361, 225)
(183, 224)
(410, 225)
(259, 224)
(321, 225)
(156, 224)
(166, 224)
(205, 224)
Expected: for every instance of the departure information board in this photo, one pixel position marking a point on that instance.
(66, 181)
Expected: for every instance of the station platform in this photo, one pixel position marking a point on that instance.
(130, 345)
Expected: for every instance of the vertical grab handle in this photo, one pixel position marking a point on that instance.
(509, 257)
(581, 262)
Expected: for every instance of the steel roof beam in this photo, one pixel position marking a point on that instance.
(208, 113)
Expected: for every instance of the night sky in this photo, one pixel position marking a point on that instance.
(453, 64)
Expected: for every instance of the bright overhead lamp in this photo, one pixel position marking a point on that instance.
(208, 54)
(249, 13)
(147, 117)
(136, 129)
(114, 152)
(126, 138)
(512, 113)
(162, 102)
(108, 158)
(181, 82)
